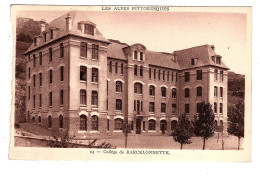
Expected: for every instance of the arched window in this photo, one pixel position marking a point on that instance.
(163, 91)
(138, 88)
(215, 124)
(83, 123)
(174, 92)
(151, 124)
(33, 119)
(49, 122)
(163, 126)
(60, 121)
(119, 86)
(118, 124)
(173, 125)
(94, 123)
(151, 90)
(187, 93)
(39, 119)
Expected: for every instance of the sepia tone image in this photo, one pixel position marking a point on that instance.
(137, 78)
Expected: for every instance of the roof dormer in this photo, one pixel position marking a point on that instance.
(216, 59)
(193, 61)
(138, 52)
(87, 27)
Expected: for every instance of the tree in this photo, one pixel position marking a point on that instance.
(204, 122)
(183, 131)
(236, 121)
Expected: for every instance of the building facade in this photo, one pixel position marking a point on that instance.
(79, 81)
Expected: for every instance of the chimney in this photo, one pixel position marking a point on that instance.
(68, 23)
(212, 47)
(43, 25)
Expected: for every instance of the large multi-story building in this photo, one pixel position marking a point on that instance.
(77, 80)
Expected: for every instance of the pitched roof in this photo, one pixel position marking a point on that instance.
(202, 53)
(115, 50)
(60, 24)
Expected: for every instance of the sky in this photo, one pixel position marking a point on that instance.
(171, 31)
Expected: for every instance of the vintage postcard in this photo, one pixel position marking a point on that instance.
(132, 83)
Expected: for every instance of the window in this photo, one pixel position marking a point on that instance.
(198, 107)
(221, 76)
(45, 37)
(134, 105)
(199, 91)
(135, 70)
(83, 49)
(34, 80)
(220, 108)
(154, 74)
(83, 73)
(141, 71)
(159, 74)
(176, 77)
(34, 60)
(34, 101)
(119, 86)
(51, 34)
(94, 123)
(50, 76)
(61, 73)
(163, 108)
(88, 29)
(151, 124)
(187, 108)
(61, 97)
(118, 124)
(83, 97)
(151, 107)
(39, 119)
(199, 74)
(192, 61)
(150, 73)
(187, 93)
(187, 76)
(213, 58)
(173, 125)
(172, 76)
(218, 60)
(40, 100)
(174, 108)
(61, 50)
(33, 119)
(29, 92)
(50, 98)
(163, 75)
(216, 74)
(215, 107)
(151, 90)
(110, 66)
(135, 55)
(163, 125)
(29, 73)
(119, 104)
(94, 98)
(50, 54)
(143, 125)
(168, 76)
(141, 56)
(174, 93)
(83, 123)
(49, 121)
(116, 67)
(94, 75)
(122, 68)
(60, 121)
(40, 58)
(221, 92)
(94, 51)
(107, 124)
(138, 88)
(163, 91)
(215, 91)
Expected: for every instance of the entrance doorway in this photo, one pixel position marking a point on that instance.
(163, 126)
(138, 126)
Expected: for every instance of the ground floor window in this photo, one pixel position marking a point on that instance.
(163, 125)
(151, 124)
(94, 123)
(173, 124)
(49, 122)
(108, 124)
(118, 124)
(33, 119)
(39, 119)
(83, 123)
(60, 121)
